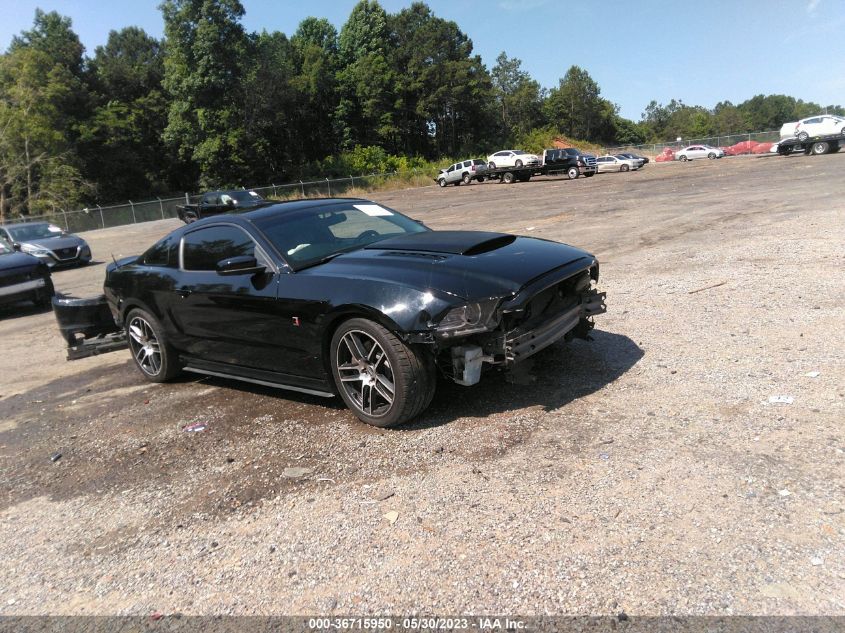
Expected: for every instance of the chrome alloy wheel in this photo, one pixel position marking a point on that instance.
(365, 373)
(145, 346)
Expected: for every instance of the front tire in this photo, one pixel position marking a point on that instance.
(153, 355)
(442, 182)
(380, 378)
(711, 156)
(683, 159)
(572, 173)
(518, 164)
(803, 136)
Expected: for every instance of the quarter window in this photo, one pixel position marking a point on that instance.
(203, 248)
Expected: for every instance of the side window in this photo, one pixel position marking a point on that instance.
(162, 254)
(451, 169)
(203, 248)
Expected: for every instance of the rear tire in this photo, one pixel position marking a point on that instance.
(380, 378)
(190, 217)
(492, 165)
(466, 179)
(154, 357)
(508, 177)
(572, 173)
(820, 148)
(480, 179)
(624, 168)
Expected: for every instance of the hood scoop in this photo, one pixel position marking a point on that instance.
(452, 242)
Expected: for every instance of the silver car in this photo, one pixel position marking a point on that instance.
(47, 242)
(464, 172)
(614, 163)
(699, 151)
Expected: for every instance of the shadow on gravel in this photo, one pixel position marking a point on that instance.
(114, 432)
(22, 308)
(556, 376)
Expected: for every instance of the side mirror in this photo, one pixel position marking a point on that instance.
(16, 246)
(242, 265)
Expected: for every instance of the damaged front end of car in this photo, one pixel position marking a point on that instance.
(501, 332)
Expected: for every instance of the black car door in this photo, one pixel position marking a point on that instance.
(232, 319)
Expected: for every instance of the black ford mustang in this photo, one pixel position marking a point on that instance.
(344, 296)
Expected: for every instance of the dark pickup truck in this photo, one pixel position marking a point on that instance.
(569, 161)
(217, 202)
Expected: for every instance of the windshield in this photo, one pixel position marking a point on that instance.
(34, 232)
(244, 196)
(306, 237)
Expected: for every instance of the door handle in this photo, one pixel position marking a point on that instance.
(183, 292)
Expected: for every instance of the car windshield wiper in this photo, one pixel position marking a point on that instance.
(327, 258)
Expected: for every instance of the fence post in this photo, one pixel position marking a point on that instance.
(274, 192)
(132, 206)
(353, 181)
(303, 188)
(67, 227)
(187, 198)
(102, 219)
(161, 206)
(329, 185)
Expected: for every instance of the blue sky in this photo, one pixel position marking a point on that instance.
(700, 52)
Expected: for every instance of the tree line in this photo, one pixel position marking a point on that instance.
(212, 105)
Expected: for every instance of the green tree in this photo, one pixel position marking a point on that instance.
(53, 35)
(519, 98)
(443, 91)
(34, 131)
(206, 48)
(577, 109)
(364, 114)
(121, 144)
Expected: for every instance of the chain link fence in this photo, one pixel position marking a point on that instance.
(100, 217)
(725, 140)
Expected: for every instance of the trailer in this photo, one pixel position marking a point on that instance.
(827, 144)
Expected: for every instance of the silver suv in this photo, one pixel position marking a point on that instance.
(464, 172)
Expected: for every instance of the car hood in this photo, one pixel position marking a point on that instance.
(15, 262)
(64, 241)
(467, 264)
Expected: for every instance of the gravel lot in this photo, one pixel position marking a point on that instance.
(645, 471)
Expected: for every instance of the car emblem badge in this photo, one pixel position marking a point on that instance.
(296, 321)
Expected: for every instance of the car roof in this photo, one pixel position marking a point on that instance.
(20, 224)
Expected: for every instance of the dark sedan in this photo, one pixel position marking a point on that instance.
(23, 277)
(47, 242)
(217, 202)
(348, 297)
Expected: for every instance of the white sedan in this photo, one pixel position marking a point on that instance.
(512, 158)
(699, 151)
(821, 125)
(615, 163)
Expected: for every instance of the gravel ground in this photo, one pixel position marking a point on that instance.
(645, 471)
